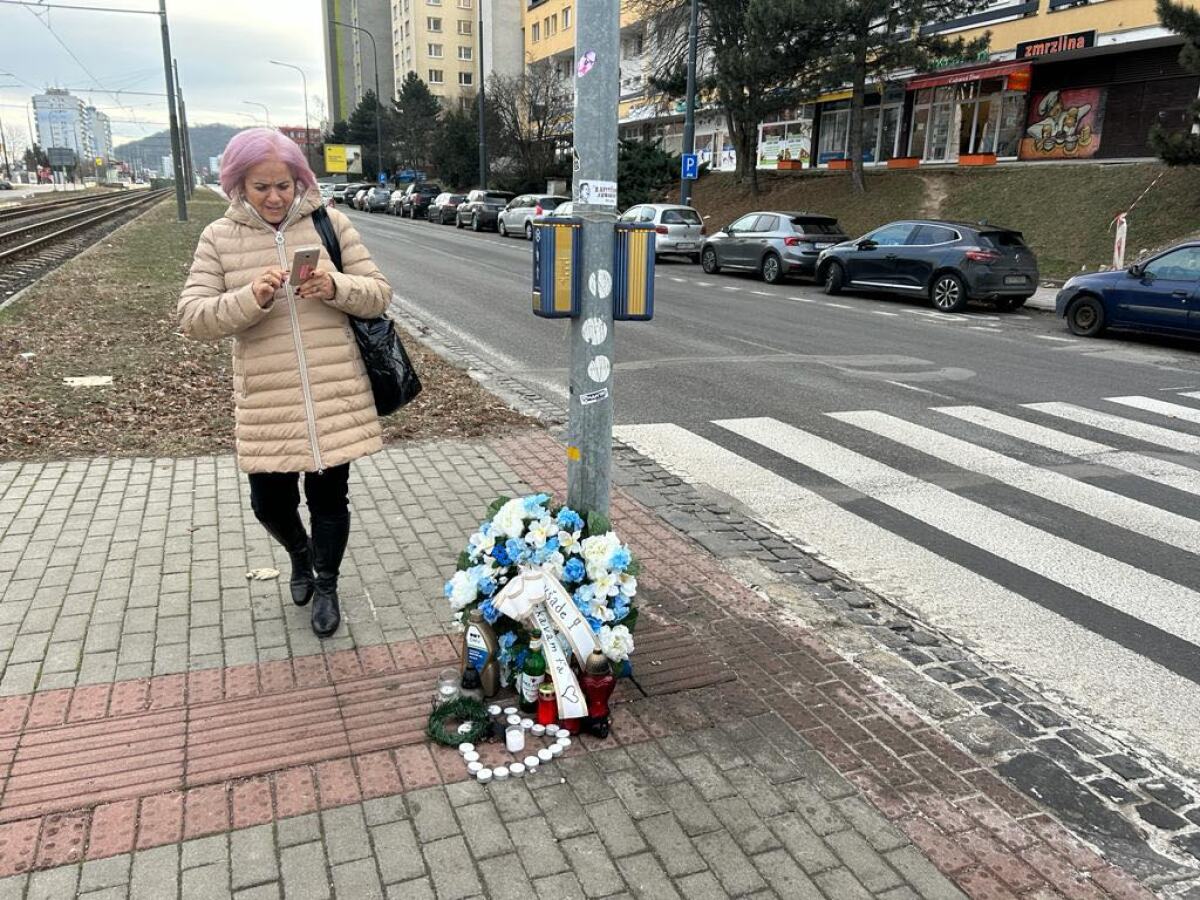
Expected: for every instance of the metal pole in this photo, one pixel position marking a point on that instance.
(589, 430)
(378, 97)
(188, 166)
(689, 116)
(483, 157)
(4, 144)
(265, 109)
(304, 86)
(176, 151)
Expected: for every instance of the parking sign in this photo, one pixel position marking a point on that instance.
(691, 166)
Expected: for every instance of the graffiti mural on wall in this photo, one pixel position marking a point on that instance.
(1064, 124)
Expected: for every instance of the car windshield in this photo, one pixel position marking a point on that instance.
(681, 217)
(549, 202)
(815, 226)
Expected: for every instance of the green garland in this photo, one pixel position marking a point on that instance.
(462, 709)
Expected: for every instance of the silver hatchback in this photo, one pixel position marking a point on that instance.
(517, 218)
(679, 230)
(773, 244)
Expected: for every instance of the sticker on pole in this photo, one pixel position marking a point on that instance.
(599, 369)
(593, 397)
(586, 63)
(600, 283)
(597, 193)
(595, 331)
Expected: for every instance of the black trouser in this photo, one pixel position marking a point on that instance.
(276, 495)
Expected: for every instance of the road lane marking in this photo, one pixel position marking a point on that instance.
(1151, 468)
(837, 305)
(1050, 337)
(880, 312)
(805, 299)
(1150, 404)
(1141, 431)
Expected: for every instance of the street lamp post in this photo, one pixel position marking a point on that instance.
(304, 86)
(483, 160)
(689, 118)
(378, 97)
(266, 111)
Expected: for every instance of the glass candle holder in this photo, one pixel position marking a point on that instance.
(514, 738)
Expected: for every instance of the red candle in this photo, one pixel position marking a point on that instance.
(547, 706)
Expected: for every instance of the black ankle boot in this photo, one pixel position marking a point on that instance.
(329, 536)
(288, 529)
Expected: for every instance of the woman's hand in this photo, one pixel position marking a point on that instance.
(266, 284)
(317, 286)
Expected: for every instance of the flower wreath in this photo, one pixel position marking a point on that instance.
(585, 555)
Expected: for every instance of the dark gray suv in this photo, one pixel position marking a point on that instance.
(947, 262)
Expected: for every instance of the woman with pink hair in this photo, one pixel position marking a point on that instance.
(302, 399)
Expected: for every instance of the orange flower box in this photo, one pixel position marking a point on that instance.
(977, 159)
(839, 165)
(791, 165)
(904, 162)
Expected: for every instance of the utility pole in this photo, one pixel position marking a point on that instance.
(597, 91)
(4, 144)
(188, 166)
(483, 159)
(176, 144)
(689, 115)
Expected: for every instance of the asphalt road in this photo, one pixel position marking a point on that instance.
(1031, 493)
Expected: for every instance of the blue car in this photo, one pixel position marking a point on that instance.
(1161, 293)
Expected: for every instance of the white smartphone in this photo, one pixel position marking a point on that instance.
(304, 263)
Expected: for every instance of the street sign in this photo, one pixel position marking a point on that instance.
(691, 166)
(383, 177)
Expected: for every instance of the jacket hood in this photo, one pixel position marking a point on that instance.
(239, 211)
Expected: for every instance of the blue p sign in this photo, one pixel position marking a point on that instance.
(383, 177)
(691, 166)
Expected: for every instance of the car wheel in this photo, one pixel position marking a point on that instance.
(475, 226)
(948, 293)
(500, 228)
(1085, 317)
(771, 269)
(695, 258)
(708, 260)
(835, 278)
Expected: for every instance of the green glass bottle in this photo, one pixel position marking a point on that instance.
(533, 673)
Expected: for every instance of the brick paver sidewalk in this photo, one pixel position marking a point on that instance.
(170, 729)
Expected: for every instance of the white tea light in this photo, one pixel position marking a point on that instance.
(494, 709)
(510, 710)
(474, 767)
(564, 741)
(483, 776)
(556, 749)
(527, 724)
(514, 720)
(465, 747)
(471, 756)
(545, 755)
(516, 770)
(538, 730)
(551, 730)
(531, 763)
(500, 773)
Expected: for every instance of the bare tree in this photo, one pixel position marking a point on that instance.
(533, 112)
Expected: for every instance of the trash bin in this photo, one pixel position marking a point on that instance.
(633, 273)
(557, 250)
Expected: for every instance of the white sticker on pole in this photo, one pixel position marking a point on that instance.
(595, 331)
(593, 397)
(600, 283)
(599, 369)
(597, 193)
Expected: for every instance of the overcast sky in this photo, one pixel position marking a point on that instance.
(222, 47)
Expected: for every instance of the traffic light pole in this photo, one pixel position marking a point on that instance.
(597, 92)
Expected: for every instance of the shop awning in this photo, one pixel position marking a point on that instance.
(960, 76)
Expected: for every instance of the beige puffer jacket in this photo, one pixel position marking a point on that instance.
(301, 394)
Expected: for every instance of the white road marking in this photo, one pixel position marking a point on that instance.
(678, 280)
(990, 329)
(731, 288)
(805, 299)
(702, 283)
(1005, 625)
(913, 387)
(880, 312)
(1151, 468)
(1151, 434)
(1124, 512)
(1116, 584)
(1050, 337)
(837, 305)
(1162, 407)
(763, 293)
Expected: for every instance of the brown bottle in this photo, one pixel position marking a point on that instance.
(481, 651)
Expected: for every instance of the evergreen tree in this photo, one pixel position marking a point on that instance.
(360, 129)
(456, 153)
(339, 133)
(643, 169)
(416, 112)
(1179, 148)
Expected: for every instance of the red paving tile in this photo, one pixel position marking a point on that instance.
(295, 792)
(18, 845)
(114, 828)
(251, 802)
(63, 839)
(205, 810)
(160, 820)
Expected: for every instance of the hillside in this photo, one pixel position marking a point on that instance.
(207, 140)
(1064, 211)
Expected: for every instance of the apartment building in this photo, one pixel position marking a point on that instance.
(63, 120)
(349, 56)
(98, 130)
(442, 41)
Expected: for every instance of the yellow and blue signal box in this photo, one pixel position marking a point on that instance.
(557, 257)
(633, 271)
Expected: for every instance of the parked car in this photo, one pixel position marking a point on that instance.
(481, 209)
(679, 230)
(394, 201)
(377, 199)
(417, 197)
(359, 196)
(772, 243)
(344, 193)
(326, 189)
(5, 185)
(947, 262)
(1160, 293)
(517, 218)
(442, 209)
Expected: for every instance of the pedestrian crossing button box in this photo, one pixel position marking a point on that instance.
(633, 270)
(557, 257)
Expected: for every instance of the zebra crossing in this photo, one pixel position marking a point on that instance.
(1056, 537)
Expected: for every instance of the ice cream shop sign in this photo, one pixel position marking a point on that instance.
(1079, 40)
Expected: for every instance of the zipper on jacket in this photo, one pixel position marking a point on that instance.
(305, 387)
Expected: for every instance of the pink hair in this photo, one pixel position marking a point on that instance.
(248, 148)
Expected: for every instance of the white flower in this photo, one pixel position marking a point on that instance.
(606, 585)
(539, 532)
(463, 588)
(628, 585)
(482, 544)
(510, 519)
(617, 643)
(554, 565)
(598, 608)
(569, 541)
(600, 548)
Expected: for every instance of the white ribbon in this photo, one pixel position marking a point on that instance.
(537, 597)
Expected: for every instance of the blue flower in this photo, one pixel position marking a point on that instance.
(620, 559)
(552, 545)
(487, 586)
(574, 570)
(448, 589)
(519, 662)
(620, 608)
(500, 555)
(596, 624)
(535, 505)
(490, 613)
(517, 550)
(569, 520)
(583, 597)
(486, 528)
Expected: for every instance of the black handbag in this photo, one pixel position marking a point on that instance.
(394, 381)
